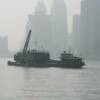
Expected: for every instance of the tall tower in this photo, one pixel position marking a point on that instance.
(40, 24)
(76, 34)
(59, 25)
(90, 28)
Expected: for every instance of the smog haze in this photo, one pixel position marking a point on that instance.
(14, 16)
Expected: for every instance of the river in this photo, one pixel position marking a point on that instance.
(19, 83)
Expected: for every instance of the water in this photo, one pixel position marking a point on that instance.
(18, 83)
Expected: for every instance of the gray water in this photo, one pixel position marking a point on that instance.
(18, 83)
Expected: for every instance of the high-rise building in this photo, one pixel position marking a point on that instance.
(90, 27)
(84, 28)
(40, 24)
(59, 25)
(76, 34)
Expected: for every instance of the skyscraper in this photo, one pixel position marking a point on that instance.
(59, 25)
(76, 34)
(90, 27)
(40, 24)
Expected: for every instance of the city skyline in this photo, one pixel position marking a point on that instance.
(50, 29)
(14, 16)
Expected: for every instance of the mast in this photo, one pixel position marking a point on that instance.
(27, 42)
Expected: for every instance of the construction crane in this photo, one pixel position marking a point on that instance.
(27, 42)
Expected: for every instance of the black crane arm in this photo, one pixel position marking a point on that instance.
(27, 42)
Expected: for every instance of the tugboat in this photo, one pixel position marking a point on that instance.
(71, 61)
(34, 58)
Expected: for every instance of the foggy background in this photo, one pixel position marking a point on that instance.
(14, 17)
(56, 25)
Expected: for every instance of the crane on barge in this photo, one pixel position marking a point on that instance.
(30, 57)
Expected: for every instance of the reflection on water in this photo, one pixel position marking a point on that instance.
(19, 83)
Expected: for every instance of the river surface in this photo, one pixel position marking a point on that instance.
(19, 83)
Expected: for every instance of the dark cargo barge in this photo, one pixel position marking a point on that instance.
(34, 58)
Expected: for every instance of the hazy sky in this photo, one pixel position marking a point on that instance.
(14, 16)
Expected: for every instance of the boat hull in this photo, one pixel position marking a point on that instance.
(51, 63)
